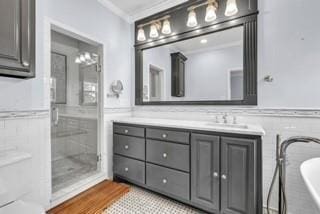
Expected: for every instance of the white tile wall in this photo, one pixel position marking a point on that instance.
(287, 123)
(31, 134)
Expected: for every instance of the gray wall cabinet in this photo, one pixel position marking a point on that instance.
(178, 74)
(218, 173)
(17, 38)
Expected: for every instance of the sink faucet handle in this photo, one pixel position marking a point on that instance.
(225, 118)
(234, 118)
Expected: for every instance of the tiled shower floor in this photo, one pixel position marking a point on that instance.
(69, 170)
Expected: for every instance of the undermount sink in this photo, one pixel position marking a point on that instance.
(310, 171)
(226, 125)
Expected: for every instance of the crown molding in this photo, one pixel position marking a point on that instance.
(116, 10)
(147, 11)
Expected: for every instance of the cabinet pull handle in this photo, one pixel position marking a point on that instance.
(25, 64)
(126, 169)
(126, 147)
(164, 135)
(126, 131)
(224, 177)
(164, 181)
(164, 155)
(215, 175)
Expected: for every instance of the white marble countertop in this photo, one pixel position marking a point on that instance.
(246, 129)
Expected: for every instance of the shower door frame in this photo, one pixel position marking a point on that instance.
(101, 174)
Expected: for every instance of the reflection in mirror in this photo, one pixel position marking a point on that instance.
(89, 85)
(205, 68)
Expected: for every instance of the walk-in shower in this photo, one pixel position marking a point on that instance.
(74, 87)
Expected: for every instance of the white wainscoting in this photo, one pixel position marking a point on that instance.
(286, 122)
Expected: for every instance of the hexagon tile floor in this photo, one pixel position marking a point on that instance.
(139, 201)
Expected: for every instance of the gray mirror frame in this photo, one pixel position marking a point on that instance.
(249, 24)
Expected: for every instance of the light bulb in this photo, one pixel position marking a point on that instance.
(192, 19)
(232, 8)
(87, 56)
(154, 31)
(166, 29)
(211, 13)
(82, 58)
(78, 61)
(141, 35)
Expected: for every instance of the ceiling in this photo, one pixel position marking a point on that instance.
(133, 10)
(214, 41)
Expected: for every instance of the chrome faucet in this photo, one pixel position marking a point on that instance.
(225, 118)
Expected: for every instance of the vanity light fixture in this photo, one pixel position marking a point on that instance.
(211, 12)
(155, 27)
(141, 35)
(166, 28)
(232, 8)
(192, 19)
(212, 6)
(154, 31)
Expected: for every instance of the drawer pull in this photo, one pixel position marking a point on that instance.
(164, 181)
(126, 147)
(224, 177)
(25, 64)
(126, 131)
(126, 169)
(164, 135)
(215, 175)
(164, 155)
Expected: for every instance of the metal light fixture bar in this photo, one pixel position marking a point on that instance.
(214, 2)
(155, 21)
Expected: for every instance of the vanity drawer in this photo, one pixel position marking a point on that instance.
(169, 154)
(129, 130)
(129, 146)
(162, 134)
(130, 169)
(172, 182)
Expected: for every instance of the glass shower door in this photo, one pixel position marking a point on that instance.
(74, 109)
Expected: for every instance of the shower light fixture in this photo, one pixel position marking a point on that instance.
(192, 19)
(82, 58)
(232, 8)
(78, 61)
(86, 58)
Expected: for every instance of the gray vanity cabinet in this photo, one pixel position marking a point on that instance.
(205, 170)
(219, 173)
(17, 38)
(238, 176)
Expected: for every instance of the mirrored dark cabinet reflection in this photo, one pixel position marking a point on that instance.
(204, 68)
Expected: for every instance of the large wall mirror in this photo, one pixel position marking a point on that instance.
(213, 62)
(203, 68)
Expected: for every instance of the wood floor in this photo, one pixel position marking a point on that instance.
(93, 201)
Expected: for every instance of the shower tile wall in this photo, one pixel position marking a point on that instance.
(74, 150)
(287, 123)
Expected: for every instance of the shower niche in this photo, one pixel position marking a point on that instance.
(74, 92)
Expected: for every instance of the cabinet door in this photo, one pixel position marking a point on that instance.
(17, 38)
(238, 176)
(205, 166)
